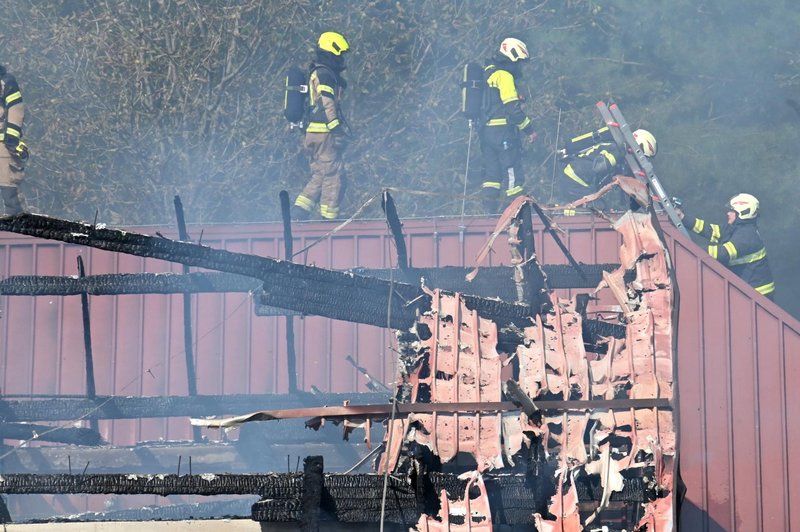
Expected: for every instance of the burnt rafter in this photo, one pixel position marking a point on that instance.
(350, 498)
(495, 281)
(306, 289)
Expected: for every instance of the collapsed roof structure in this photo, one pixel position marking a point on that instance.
(538, 396)
(562, 411)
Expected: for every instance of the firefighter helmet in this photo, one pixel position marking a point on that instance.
(514, 49)
(646, 141)
(744, 205)
(333, 42)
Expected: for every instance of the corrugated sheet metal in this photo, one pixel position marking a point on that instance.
(738, 354)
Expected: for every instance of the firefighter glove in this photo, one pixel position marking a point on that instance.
(19, 152)
(532, 136)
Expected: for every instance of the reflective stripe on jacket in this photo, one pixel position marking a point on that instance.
(505, 104)
(739, 246)
(324, 93)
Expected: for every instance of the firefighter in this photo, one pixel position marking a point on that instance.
(15, 154)
(327, 131)
(594, 158)
(500, 135)
(738, 245)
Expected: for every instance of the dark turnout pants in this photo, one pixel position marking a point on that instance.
(11, 175)
(501, 150)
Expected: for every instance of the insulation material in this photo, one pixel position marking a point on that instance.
(458, 362)
(604, 442)
(466, 514)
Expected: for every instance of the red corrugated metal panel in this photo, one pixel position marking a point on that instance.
(737, 352)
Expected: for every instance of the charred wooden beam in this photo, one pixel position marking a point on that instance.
(288, 253)
(348, 498)
(188, 343)
(127, 283)
(396, 227)
(129, 484)
(70, 435)
(311, 497)
(495, 281)
(91, 390)
(357, 498)
(306, 289)
(113, 407)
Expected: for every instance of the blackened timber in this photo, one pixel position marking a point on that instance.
(127, 484)
(396, 227)
(91, 391)
(311, 497)
(356, 498)
(70, 435)
(297, 287)
(111, 407)
(188, 343)
(549, 228)
(306, 289)
(288, 253)
(348, 498)
(494, 281)
(127, 283)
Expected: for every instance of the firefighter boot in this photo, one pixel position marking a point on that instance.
(299, 214)
(11, 201)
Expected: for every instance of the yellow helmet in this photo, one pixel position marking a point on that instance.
(744, 205)
(514, 49)
(333, 42)
(646, 141)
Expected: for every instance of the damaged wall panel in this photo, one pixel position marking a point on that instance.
(712, 440)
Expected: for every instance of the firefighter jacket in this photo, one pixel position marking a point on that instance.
(325, 90)
(504, 104)
(592, 166)
(12, 108)
(740, 248)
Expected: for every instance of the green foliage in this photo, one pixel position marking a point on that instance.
(130, 103)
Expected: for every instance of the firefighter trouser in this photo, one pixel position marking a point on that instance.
(501, 150)
(11, 175)
(328, 179)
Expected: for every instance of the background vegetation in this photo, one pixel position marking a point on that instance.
(131, 102)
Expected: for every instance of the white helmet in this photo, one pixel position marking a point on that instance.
(646, 141)
(744, 205)
(514, 49)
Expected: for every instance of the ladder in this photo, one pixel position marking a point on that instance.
(636, 159)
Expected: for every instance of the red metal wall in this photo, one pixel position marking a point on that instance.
(737, 352)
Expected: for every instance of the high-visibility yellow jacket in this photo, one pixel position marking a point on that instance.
(504, 104)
